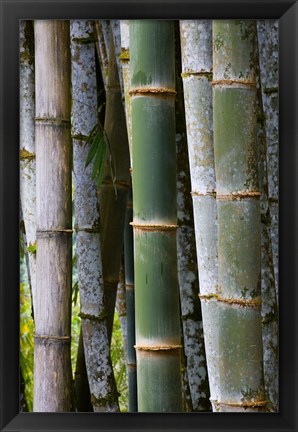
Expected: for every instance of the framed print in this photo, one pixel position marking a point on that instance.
(188, 110)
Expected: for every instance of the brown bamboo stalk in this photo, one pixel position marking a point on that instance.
(52, 372)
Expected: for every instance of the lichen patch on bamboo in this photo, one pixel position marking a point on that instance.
(124, 56)
(25, 155)
(96, 318)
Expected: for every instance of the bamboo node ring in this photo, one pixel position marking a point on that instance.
(53, 339)
(257, 302)
(153, 227)
(158, 91)
(157, 347)
(234, 83)
(238, 195)
(199, 194)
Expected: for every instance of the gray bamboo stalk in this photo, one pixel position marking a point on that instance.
(158, 339)
(52, 308)
(268, 57)
(196, 50)
(130, 307)
(124, 58)
(269, 309)
(241, 383)
(93, 314)
(27, 144)
(187, 261)
(113, 205)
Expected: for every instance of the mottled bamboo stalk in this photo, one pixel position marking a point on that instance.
(113, 204)
(104, 396)
(27, 144)
(268, 57)
(196, 50)
(269, 309)
(124, 58)
(186, 245)
(52, 308)
(241, 383)
(158, 339)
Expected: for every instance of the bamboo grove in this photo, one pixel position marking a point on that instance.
(149, 216)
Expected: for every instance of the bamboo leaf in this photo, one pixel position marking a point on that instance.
(93, 142)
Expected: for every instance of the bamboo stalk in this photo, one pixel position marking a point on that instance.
(187, 258)
(93, 314)
(158, 340)
(27, 144)
(268, 49)
(128, 232)
(52, 309)
(241, 386)
(130, 307)
(112, 205)
(124, 58)
(196, 50)
(269, 309)
(115, 25)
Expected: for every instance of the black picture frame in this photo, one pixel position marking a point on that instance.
(11, 12)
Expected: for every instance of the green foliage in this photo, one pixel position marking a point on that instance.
(32, 248)
(119, 364)
(26, 342)
(75, 332)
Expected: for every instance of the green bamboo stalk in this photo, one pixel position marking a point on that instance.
(27, 144)
(241, 386)
(268, 49)
(158, 341)
(193, 338)
(113, 205)
(90, 279)
(52, 308)
(130, 307)
(196, 50)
